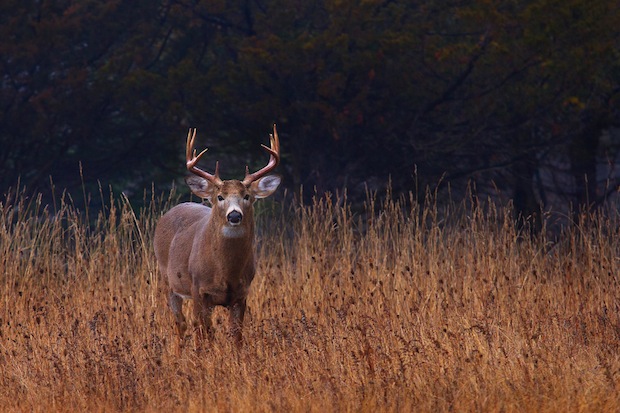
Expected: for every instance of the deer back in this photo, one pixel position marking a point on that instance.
(175, 236)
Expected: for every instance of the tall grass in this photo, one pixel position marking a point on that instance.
(398, 309)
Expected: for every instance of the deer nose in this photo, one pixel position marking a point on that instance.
(234, 217)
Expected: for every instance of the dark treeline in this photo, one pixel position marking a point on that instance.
(519, 97)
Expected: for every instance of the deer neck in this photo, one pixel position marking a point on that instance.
(232, 244)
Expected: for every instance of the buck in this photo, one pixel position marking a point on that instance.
(207, 253)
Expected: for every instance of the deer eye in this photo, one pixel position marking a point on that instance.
(220, 198)
(246, 197)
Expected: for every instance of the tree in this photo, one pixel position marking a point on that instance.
(486, 91)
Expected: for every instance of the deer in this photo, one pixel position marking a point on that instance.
(206, 254)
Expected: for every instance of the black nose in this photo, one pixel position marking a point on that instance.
(234, 217)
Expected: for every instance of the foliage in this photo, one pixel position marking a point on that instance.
(361, 90)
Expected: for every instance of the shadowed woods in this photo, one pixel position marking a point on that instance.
(402, 308)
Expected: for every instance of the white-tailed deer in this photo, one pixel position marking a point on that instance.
(207, 254)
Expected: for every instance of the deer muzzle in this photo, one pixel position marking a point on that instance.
(234, 217)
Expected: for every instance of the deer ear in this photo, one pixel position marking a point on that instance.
(199, 186)
(265, 186)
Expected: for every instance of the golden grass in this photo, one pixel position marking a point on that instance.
(403, 311)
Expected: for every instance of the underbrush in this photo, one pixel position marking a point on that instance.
(401, 308)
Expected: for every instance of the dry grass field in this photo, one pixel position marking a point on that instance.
(403, 311)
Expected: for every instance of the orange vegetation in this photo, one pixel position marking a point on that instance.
(404, 310)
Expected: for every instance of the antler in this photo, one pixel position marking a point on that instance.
(192, 160)
(274, 159)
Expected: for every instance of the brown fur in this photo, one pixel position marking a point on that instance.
(198, 258)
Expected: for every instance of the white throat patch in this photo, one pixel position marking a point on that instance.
(233, 232)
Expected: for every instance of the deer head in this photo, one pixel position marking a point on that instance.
(232, 200)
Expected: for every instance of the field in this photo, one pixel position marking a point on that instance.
(399, 308)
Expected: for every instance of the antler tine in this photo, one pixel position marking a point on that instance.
(274, 150)
(190, 152)
(192, 160)
(274, 159)
(190, 143)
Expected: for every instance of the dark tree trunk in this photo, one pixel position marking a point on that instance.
(527, 208)
(582, 152)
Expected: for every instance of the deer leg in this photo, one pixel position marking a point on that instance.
(235, 318)
(175, 302)
(203, 309)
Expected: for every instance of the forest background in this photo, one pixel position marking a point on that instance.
(515, 99)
